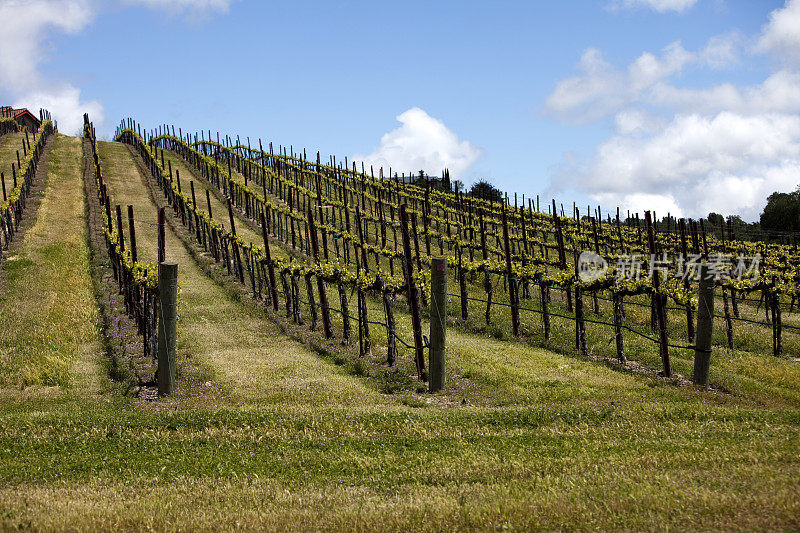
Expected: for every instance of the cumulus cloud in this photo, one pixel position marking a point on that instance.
(600, 89)
(640, 202)
(781, 35)
(28, 22)
(637, 122)
(24, 49)
(26, 43)
(722, 50)
(697, 164)
(64, 102)
(778, 93)
(692, 164)
(660, 6)
(421, 143)
(688, 150)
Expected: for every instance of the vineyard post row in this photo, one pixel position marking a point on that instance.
(149, 294)
(658, 314)
(14, 201)
(240, 258)
(278, 174)
(8, 125)
(581, 335)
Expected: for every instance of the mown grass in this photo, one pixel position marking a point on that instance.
(48, 320)
(218, 208)
(749, 370)
(687, 466)
(545, 441)
(230, 343)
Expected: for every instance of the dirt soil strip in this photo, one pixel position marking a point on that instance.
(123, 344)
(247, 355)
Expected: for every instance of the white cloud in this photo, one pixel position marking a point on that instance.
(726, 163)
(24, 49)
(637, 122)
(688, 150)
(421, 143)
(180, 6)
(778, 93)
(781, 35)
(661, 6)
(594, 93)
(601, 90)
(29, 23)
(641, 202)
(65, 104)
(722, 50)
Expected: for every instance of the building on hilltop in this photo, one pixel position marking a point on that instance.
(24, 118)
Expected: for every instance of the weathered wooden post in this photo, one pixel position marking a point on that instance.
(323, 296)
(660, 302)
(273, 289)
(162, 239)
(705, 326)
(132, 231)
(168, 299)
(208, 203)
(617, 299)
(513, 297)
(436, 355)
(777, 338)
(413, 296)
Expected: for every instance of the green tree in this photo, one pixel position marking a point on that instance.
(715, 219)
(782, 212)
(487, 191)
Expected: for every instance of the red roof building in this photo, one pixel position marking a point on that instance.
(23, 117)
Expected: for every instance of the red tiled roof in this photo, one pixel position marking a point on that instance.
(8, 111)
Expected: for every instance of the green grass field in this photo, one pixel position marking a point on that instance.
(266, 434)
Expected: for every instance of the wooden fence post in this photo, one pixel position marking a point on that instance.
(462, 285)
(512, 282)
(323, 297)
(544, 290)
(705, 327)
(777, 344)
(685, 252)
(413, 296)
(391, 345)
(273, 289)
(728, 321)
(618, 318)
(237, 263)
(660, 302)
(438, 323)
(168, 298)
(162, 252)
(132, 232)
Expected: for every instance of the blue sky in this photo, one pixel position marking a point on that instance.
(662, 104)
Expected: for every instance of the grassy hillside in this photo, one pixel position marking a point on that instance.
(266, 434)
